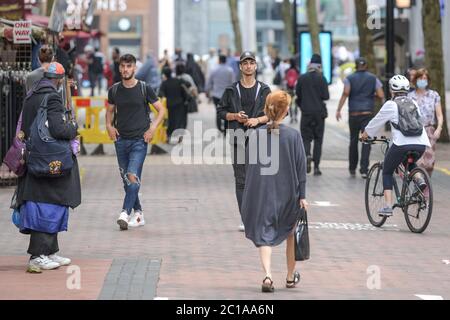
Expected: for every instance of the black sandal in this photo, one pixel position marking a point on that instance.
(267, 288)
(293, 284)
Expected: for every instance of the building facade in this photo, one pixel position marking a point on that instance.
(130, 25)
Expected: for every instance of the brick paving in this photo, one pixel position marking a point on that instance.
(190, 247)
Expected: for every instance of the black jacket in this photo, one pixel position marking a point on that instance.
(65, 191)
(231, 103)
(312, 91)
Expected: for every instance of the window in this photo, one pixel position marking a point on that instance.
(276, 11)
(262, 9)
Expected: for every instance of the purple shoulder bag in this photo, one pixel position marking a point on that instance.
(15, 157)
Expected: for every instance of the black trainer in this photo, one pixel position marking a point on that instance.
(308, 164)
(317, 172)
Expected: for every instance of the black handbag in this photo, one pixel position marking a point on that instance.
(302, 237)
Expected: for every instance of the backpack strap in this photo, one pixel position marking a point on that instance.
(114, 89)
(144, 94)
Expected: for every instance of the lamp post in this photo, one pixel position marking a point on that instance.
(294, 26)
(390, 39)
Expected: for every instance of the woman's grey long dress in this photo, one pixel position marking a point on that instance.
(270, 203)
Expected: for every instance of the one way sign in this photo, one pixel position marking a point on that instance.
(22, 32)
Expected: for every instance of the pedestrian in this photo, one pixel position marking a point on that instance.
(165, 60)
(360, 88)
(401, 144)
(242, 106)
(194, 70)
(149, 73)
(429, 103)
(212, 61)
(290, 79)
(115, 65)
(46, 56)
(312, 91)
(44, 202)
(95, 69)
(177, 100)
(189, 84)
(271, 203)
(220, 78)
(131, 131)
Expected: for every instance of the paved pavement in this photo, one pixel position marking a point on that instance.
(190, 247)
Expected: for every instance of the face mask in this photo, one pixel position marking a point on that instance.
(422, 84)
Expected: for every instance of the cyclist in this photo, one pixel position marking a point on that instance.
(401, 144)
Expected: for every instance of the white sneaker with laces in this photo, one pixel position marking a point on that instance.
(61, 260)
(43, 262)
(137, 220)
(123, 220)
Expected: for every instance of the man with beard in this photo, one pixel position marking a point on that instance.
(132, 130)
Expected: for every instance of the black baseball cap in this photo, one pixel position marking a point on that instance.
(247, 55)
(361, 61)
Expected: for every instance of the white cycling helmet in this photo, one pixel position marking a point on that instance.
(399, 83)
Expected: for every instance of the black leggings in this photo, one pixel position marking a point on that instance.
(394, 157)
(43, 244)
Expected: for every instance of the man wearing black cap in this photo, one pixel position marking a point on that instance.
(312, 91)
(361, 88)
(242, 106)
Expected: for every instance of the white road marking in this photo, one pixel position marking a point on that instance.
(324, 204)
(351, 226)
(161, 298)
(427, 297)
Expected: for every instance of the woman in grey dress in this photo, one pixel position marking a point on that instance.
(274, 187)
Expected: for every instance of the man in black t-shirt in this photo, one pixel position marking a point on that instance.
(131, 132)
(242, 106)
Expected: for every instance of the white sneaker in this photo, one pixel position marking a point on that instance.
(241, 227)
(61, 260)
(123, 220)
(137, 220)
(43, 262)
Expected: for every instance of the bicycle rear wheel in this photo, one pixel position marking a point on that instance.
(374, 195)
(418, 201)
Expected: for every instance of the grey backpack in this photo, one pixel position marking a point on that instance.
(409, 120)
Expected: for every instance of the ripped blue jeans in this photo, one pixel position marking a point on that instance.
(131, 155)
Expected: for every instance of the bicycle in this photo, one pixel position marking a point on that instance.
(415, 198)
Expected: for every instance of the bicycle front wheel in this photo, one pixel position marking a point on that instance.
(418, 198)
(374, 195)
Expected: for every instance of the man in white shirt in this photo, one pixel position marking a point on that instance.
(401, 144)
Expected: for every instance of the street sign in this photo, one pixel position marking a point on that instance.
(306, 53)
(22, 32)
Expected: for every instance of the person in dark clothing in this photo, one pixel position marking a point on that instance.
(272, 201)
(242, 106)
(172, 89)
(44, 202)
(115, 65)
(95, 70)
(194, 70)
(312, 91)
(361, 88)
